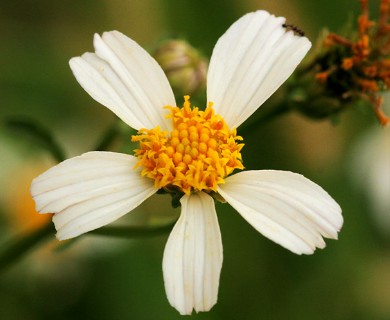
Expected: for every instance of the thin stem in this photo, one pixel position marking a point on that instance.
(16, 248)
(277, 111)
(108, 137)
(133, 231)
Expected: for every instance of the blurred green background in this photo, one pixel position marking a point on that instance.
(105, 278)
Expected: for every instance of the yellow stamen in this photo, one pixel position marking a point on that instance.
(197, 155)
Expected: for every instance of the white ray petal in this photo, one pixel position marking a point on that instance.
(285, 207)
(249, 63)
(193, 256)
(90, 191)
(126, 79)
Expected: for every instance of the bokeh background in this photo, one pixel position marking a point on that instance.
(104, 278)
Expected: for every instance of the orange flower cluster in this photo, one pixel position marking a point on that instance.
(366, 60)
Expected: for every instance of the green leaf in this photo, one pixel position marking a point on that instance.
(39, 135)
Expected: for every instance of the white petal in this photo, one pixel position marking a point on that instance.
(285, 207)
(127, 80)
(90, 191)
(249, 62)
(193, 256)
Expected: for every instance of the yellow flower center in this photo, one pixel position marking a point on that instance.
(197, 155)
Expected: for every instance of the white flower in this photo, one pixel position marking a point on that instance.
(191, 153)
(370, 172)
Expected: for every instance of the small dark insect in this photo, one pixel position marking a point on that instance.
(293, 28)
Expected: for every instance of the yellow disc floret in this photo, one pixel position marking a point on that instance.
(197, 155)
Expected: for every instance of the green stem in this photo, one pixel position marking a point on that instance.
(133, 231)
(108, 137)
(277, 111)
(13, 250)
(16, 248)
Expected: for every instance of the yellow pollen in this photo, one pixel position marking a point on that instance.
(197, 155)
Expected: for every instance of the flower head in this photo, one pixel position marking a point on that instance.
(197, 155)
(191, 153)
(351, 69)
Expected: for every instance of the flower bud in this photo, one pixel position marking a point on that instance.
(184, 66)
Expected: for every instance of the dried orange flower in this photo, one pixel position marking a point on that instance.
(362, 68)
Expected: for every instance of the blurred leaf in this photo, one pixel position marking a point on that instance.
(19, 246)
(41, 136)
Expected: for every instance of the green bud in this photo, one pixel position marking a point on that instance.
(184, 66)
